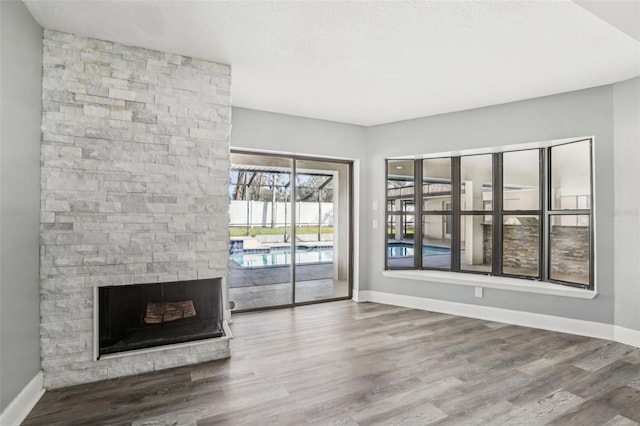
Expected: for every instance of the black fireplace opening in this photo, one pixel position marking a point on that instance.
(142, 316)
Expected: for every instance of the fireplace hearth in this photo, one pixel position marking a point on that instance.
(140, 316)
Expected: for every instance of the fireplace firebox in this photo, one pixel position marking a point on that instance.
(139, 316)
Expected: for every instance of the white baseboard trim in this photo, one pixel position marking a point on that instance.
(21, 406)
(488, 313)
(627, 336)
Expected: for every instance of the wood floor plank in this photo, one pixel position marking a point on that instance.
(542, 411)
(620, 421)
(544, 384)
(626, 400)
(346, 363)
(613, 375)
(589, 413)
(603, 357)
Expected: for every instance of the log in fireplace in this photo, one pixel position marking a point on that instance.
(141, 316)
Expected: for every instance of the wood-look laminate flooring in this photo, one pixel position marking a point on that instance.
(346, 363)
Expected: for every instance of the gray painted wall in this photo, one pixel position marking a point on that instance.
(21, 51)
(299, 135)
(626, 125)
(581, 113)
(260, 130)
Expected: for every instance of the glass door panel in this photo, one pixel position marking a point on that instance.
(322, 232)
(260, 229)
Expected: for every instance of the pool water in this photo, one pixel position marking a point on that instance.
(406, 249)
(283, 256)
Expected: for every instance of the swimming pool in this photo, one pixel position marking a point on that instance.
(406, 250)
(282, 256)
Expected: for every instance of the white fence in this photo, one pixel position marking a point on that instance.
(264, 213)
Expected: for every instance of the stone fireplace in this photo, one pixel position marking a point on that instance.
(134, 208)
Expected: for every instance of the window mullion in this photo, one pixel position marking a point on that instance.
(386, 214)
(455, 214)
(584, 212)
(545, 191)
(497, 204)
(592, 248)
(417, 208)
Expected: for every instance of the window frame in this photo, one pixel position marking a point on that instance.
(417, 227)
(544, 213)
(590, 212)
(419, 167)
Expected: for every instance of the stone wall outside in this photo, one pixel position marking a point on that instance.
(570, 250)
(520, 247)
(569, 247)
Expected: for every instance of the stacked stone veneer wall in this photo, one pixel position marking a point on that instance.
(569, 248)
(487, 246)
(520, 246)
(135, 165)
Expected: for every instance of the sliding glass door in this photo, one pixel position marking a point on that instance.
(290, 230)
(322, 265)
(260, 231)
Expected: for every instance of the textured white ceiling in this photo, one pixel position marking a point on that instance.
(366, 62)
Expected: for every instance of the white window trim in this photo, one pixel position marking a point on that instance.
(487, 281)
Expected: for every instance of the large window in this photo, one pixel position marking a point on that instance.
(524, 213)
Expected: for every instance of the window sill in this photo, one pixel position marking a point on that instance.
(486, 281)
